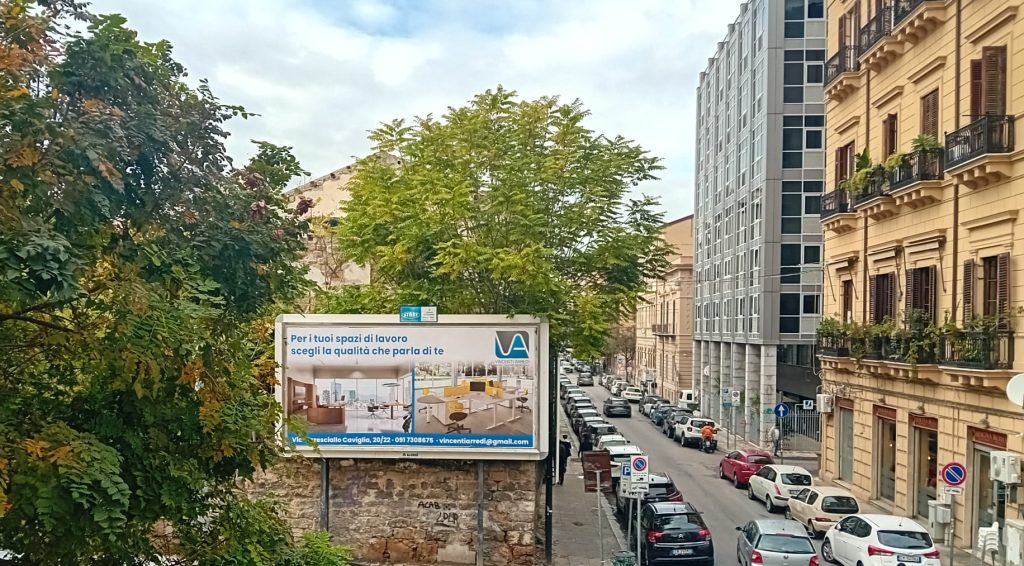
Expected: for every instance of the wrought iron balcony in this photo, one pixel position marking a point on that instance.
(834, 203)
(843, 61)
(903, 8)
(987, 134)
(877, 186)
(979, 350)
(662, 329)
(923, 165)
(876, 28)
(834, 346)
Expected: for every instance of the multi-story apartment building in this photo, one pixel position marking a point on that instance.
(923, 252)
(759, 182)
(664, 329)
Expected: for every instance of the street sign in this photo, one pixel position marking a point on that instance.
(639, 472)
(625, 471)
(781, 410)
(953, 490)
(808, 405)
(954, 473)
(736, 396)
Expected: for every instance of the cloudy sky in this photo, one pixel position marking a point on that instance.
(323, 72)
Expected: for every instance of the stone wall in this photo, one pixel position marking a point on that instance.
(418, 512)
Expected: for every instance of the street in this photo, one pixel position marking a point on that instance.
(695, 474)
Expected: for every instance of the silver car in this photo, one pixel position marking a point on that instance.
(774, 542)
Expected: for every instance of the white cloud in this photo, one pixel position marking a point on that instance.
(321, 74)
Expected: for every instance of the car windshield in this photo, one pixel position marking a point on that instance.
(788, 544)
(618, 402)
(604, 429)
(839, 504)
(796, 479)
(697, 423)
(681, 522)
(614, 442)
(759, 460)
(911, 540)
(661, 490)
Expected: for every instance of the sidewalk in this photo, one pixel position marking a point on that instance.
(575, 518)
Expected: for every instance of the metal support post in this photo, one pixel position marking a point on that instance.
(325, 494)
(600, 526)
(952, 529)
(639, 550)
(480, 512)
(552, 454)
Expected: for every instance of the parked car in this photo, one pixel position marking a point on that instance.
(874, 540)
(617, 407)
(818, 508)
(587, 421)
(577, 419)
(674, 533)
(573, 408)
(659, 414)
(610, 440)
(647, 403)
(687, 431)
(569, 390)
(585, 379)
(598, 430)
(662, 488)
(632, 394)
(572, 398)
(774, 542)
(739, 465)
(618, 385)
(620, 455)
(775, 484)
(671, 419)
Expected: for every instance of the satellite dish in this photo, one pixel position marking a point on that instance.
(1015, 390)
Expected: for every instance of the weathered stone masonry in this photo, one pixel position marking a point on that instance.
(418, 512)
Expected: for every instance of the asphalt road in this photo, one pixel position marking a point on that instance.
(695, 474)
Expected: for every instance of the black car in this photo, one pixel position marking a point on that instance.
(577, 419)
(662, 488)
(585, 379)
(595, 431)
(617, 407)
(648, 399)
(659, 414)
(675, 533)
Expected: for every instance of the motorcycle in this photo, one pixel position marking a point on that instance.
(709, 445)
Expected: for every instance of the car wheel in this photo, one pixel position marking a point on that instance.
(750, 492)
(826, 552)
(811, 532)
(721, 472)
(787, 514)
(768, 503)
(735, 481)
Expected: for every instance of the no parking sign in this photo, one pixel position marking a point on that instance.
(638, 469)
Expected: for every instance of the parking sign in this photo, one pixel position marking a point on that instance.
(638, 472)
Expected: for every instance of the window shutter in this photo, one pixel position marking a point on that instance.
(928, 292)
(930, 114)
(908, 293)
(842, 34)
(886, 140)
(890, 306)
(872, 298)
(1003, 290)
(968, 290)
(838, 166)
(976, 90)
(993, 85)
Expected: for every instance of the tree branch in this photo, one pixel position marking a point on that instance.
(36, 321)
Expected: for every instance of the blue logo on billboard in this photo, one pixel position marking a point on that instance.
(409, 314)
(512, 344)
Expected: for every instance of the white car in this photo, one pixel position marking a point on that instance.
(687, 431)
(879, 540)
(620, 456)
(632, 394)
(775, 484)
(818, 508)
(609, 440)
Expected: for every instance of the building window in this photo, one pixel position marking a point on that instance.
(813, 139)
(814, 121)
(793, 30)
(815, 9)
(812, 304)
(845, 444)
(793, 55)
(930, 114)
(812, 254)
(889, 129)
(814, 186)
(920, 298)
(815, 74)
(988, 82)
(789, 304)
(793, 74)
(882, 290)
(791, 186)
(792, 159)
(885, 449)
(925, 461)
(793, 94)
(792, 226)
(791, 205)
(844, 163)
(815, 54)
(792, 139)
(794, 10)
(789, 324)
(812, 205)
(995, 288)
(847, 300)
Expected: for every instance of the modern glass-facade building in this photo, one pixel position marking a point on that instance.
(759, 183)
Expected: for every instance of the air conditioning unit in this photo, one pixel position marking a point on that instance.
(1005, 467)
(825, 403)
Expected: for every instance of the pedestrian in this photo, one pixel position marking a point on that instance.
(776, 437)
(586, 444)
(564, 451)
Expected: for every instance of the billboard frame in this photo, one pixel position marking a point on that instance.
(542, 389)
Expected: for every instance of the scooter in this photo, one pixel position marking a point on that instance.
(709, 445)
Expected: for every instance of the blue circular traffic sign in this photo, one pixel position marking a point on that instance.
(954, 473)
(781, 410)
(640, 464)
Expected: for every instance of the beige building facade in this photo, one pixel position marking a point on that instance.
(664, 320)
(924, 252)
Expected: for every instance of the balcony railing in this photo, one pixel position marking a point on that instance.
(923, 165)
(979, 350)
(876, 186)
(987, 134)
(834, 203)
(844, 61)
(662, 329)
(876, 28)
(902, 8)
(835, 346)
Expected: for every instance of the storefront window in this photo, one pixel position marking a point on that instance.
(990, 496)
(885, 444)
(846, 445)
(926, 445)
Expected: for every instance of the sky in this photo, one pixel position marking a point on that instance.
(321, 73)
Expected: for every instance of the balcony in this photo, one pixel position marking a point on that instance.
(834, 346)
(978, 154)
(917, 182)
(877, 47)
(874, 200)
(842, 74)
(836, 214)
(913, 20)
(979, 350)
(663, 330)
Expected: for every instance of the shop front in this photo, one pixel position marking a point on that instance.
(885, 453)
(988, 501)
(924, 446)
(844, 447)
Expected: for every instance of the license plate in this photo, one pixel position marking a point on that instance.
(682, 551)
(907, 558)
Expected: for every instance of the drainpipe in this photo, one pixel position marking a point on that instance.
(864, 251)
(956, 186)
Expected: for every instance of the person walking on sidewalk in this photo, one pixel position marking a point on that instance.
(776, 437)
(564, 451)
(586, 445)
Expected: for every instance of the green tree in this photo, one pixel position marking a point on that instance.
(138, 272)
(505, 206)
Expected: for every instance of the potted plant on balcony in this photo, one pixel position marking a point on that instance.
(925, 142)
(919, 339)
(861, 336)
(831, 334)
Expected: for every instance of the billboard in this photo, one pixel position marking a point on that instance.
(463, 387)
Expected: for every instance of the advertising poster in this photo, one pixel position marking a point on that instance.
(465, 386)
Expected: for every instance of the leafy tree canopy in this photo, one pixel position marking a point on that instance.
(138, 270)
(505, 206)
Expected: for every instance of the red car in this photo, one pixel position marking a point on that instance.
(740, 465)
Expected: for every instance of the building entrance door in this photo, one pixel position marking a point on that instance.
(845, 433)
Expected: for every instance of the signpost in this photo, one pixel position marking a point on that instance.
(954, 474)
(634, 484)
